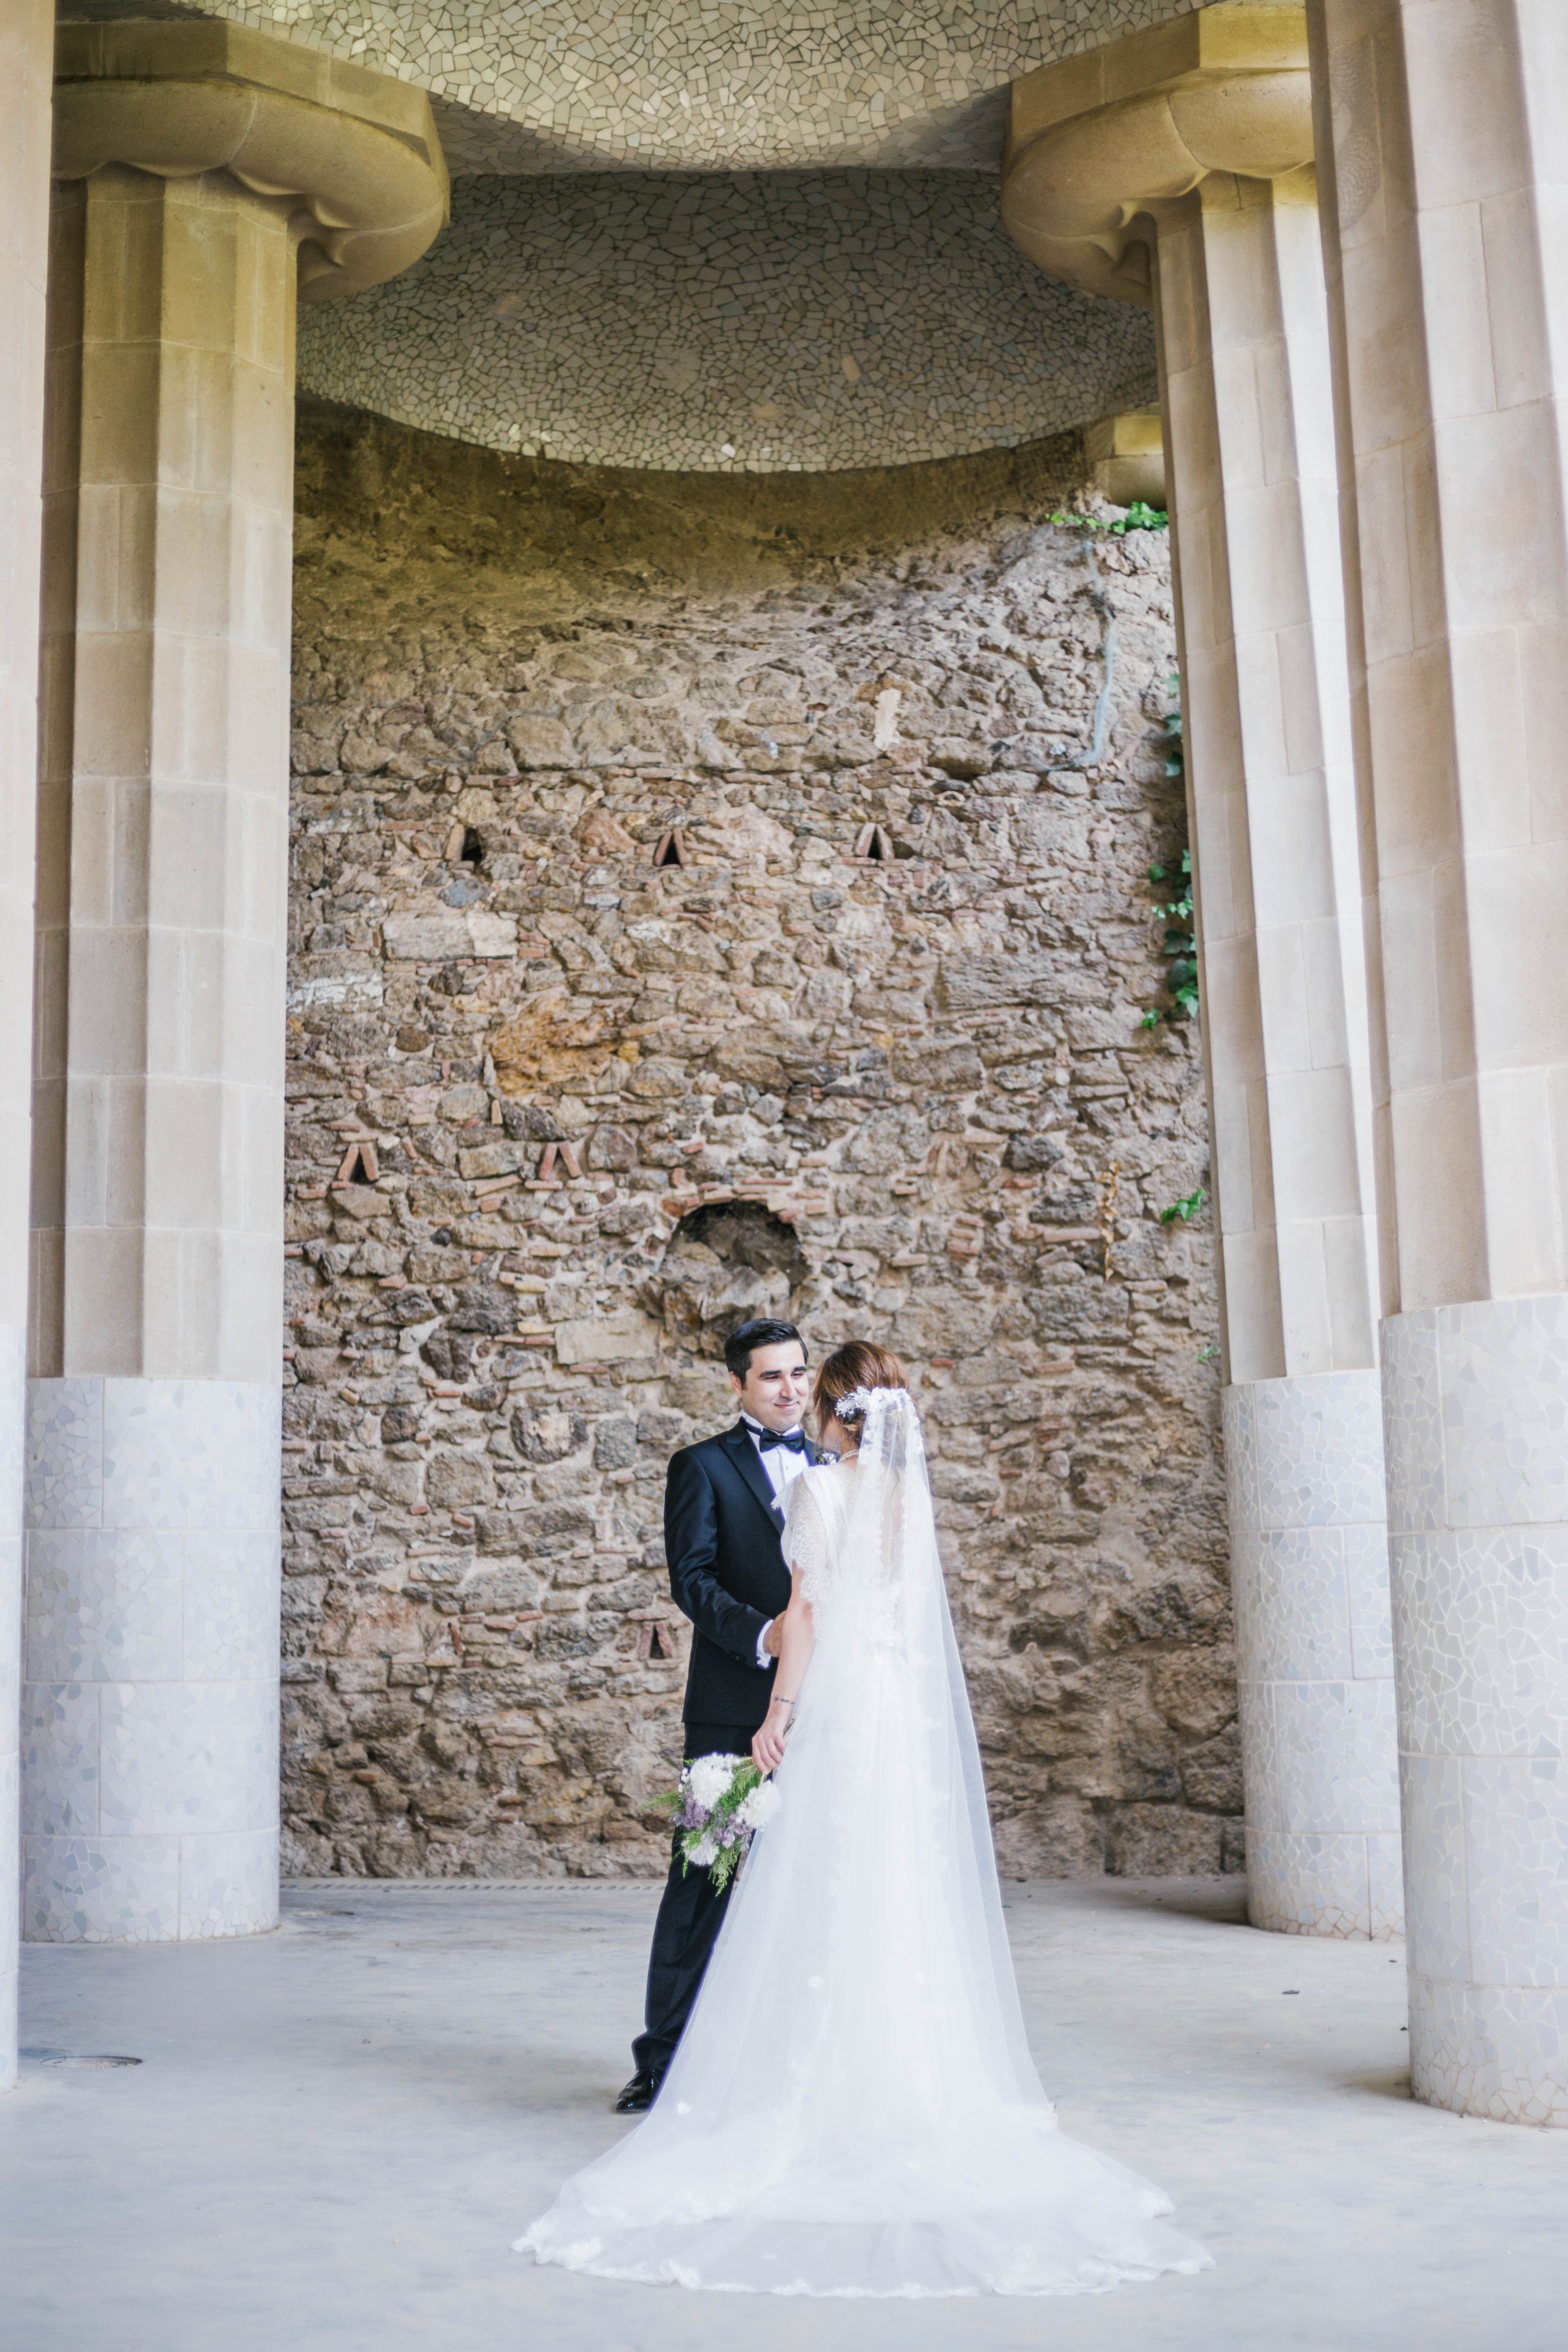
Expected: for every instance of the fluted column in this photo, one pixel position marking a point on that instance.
(1245, 375)
(204, 174)
(1176, 164)
(27, 51)
(1444, 157)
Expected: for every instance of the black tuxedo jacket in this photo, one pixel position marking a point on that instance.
(727, 1572)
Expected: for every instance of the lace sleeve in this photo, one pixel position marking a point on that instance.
(805, 1538)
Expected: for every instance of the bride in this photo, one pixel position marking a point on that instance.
(853, 2109)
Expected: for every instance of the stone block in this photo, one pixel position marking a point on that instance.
(439, 938)
(612, 1341)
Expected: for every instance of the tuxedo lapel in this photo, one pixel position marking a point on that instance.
(748, 1461)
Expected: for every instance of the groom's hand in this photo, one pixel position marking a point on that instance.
(773, 1640)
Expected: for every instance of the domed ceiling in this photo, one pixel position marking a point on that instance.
(552, 85)
(719, 235)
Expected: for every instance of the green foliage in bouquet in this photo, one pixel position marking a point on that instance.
(718, 1803)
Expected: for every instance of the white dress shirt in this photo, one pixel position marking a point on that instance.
(780, 1463)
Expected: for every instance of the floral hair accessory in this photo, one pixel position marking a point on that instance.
(853, 1407)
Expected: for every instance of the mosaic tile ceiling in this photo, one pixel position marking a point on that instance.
(552, 85)
(760, 322)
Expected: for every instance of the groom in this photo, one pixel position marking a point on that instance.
(723, 1517)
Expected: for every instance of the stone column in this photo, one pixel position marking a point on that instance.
(1176, 163)
(26, 54)
(203, 172)
(1443, 154)
(1245, 384)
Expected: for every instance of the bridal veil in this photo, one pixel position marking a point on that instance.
(853, 2109)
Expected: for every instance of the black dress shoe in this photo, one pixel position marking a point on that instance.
(640, 2093)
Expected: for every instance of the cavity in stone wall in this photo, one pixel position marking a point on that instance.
(705, 900)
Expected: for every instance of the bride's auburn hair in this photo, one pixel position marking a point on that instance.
(858, 1364)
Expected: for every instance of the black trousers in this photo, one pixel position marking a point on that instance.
(690, 1917)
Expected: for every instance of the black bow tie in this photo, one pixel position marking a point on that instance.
(792, 1438)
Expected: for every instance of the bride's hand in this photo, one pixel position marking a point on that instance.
(767, 1748)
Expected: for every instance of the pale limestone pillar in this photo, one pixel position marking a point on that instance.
(1444, 155)
(26, 55)
(1246, 383)
(203, 172)
(1188, 149)
(1127, 453)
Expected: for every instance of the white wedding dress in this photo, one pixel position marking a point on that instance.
(853, 2109)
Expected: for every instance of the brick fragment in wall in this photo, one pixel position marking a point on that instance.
(880, 1095)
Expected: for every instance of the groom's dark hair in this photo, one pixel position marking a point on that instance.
(762, 1331)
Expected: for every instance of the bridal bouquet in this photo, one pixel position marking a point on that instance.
(718, 1803)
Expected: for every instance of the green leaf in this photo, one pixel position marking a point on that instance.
(1150, 1020)
(1187, 1208)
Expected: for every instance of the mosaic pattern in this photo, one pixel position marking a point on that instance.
(149, 1890)
(91, 1890)
(803, 322)
(1477, 1414)
(104, 1606)
(13, 1366)
(183, 1756)
(61, 1759)
(1505, 1411)
(13, 1395)
(1498, 2051)
(232, 1595)
(228, 1885)
(1299, 1885)
(709, 88)
(1413, 1425)
(11, 1812)
(1319, 1443)
(1432, 1801)
(65, 1454)
(190, 1454)
(1309, 1579)
(1481, 1622)
(151, 1631)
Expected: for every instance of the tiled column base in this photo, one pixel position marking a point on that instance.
(150, 1709)
(13, 1365)
(1309, 1575)
(1476, 1427)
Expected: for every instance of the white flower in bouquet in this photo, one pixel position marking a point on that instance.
(720, 1802)
(755, 1811)
(708, 1779)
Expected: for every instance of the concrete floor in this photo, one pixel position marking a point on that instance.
(336, 2131)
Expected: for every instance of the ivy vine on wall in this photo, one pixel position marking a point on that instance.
(1180, 942)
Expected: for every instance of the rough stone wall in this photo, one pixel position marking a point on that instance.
(871, 1053)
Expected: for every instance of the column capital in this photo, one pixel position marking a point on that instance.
(1096, 141)
(357, 153)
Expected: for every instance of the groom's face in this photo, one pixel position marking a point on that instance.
(775, 1388)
